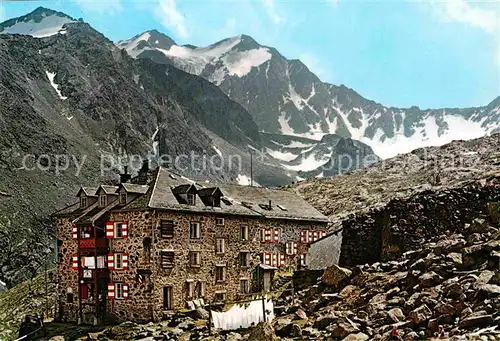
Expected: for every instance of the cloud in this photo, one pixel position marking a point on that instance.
(270, 7)
(172, 18)
(314, 65)
(100, 6)
(480, 15)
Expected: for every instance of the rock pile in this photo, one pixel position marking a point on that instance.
(447, 287)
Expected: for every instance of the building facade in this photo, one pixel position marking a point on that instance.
(139, 251)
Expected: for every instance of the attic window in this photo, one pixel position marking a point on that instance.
(123, 198)
(283, 208)
(102, 200)
(191, 198)
(83, 202)
(171, 176)
(266, 207)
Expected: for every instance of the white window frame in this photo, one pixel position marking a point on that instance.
(244, 232)
(202, 288)
(219, 221)
(190, 289)
(197, 229)
(103, 200)
(223, 294)
(244, 285)
(122, 196)
(223, 273)
(83, 201)
(191, 199)
(247, 258)
(118, 227)
(119, 291)
(220, 245)
(197, 258)
(118, 261)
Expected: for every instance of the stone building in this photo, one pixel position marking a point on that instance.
(160, 242)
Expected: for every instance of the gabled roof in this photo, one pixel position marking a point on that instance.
(133, 188)
(108, 189)
(96, 212)
(89, 191)
(202, 192)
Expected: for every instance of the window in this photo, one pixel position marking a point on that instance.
(194, 230)
(83, 202)
(101, 262)
(191, 199)
(202, 289)
(244, 232)
(244, 286)
(69, 297)
(119, 291)
(304, 260)
(118, 261)
(167, 229)
(123, 198)
(219, 221)
(102, 200)
(268, 235)
(220, 296)
(194, 258)
(118, 230)
(291, 248)
(220, 273)
(220, 246)
(189, 289)
(146, 250)
(244, 258)
(167, 259)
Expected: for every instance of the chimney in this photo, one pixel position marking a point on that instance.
(270, 205)
(142, 176)
(125, 177)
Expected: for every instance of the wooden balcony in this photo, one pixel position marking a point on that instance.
(93, 243)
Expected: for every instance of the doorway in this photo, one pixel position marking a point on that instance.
(168, 301)
(267, 281)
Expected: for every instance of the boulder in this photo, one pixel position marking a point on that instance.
(343, 329)
(263, 332)
(429, 279)
(301, 314)
(476, 321)
(356, 337)
(396, 315)
(324, 321)
(334, 274)
(296, 330)
(420, 315)
(233, 337)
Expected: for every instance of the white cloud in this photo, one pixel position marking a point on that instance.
(270, 8)
(172, 18)
(480, 15)
(100, 6)
(315, 65)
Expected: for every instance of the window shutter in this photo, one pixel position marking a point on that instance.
(125, 261)
(111, 291)
(294, 248)
(124, 229)
(315, 235)
(309, 236)
(302, 236)
(84, 291)
(267, 258)
(125, 291)
(276, 235)
(110, 230)
(75, 232)
(282, 259)
(111, 261)
(323, 234)
(268, 235)
(262, 235)
(288, 248)
(75, 261)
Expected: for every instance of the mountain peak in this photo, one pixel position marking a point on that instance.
(40, 23)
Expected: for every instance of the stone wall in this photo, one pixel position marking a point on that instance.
(146, 300)
(325, 252)
(385, 233)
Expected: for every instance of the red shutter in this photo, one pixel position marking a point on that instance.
(282, 260)
(125, 261)
(111, 261)
(125, 291)
(288, 247)
(276, 235)
(75, 232)
(267, 258)
(268, 235)
(262, 235)
(323, 234)
(111, 291)
(110, 230)
(75, 261)
(315, 235)
(124, 229)
(294, 248)
(302, 236)
(84, 291)
(309, 236)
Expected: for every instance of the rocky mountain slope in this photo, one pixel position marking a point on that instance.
(285, 97)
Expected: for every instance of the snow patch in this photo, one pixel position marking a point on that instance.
(282, 156)
(47, 27)
(217, 150)
(244, 180)
(241, 63)
(286, 129)
(51, 77)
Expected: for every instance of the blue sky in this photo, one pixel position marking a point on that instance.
(431, 54)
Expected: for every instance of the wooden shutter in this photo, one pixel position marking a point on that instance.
(276, 235)
(84, 291)
(309, 236)
(294, 248)
(262, 235)
(268, 235)
(302, 236)
(111, 261)
(315, 235)
(125, 261)
(124, 229)
(75, 261)
(110, 230)
(266, 256)
(288, 248)
(125, 291)
(75, 232)
(111, 291)
(282, 259)
(323, 234)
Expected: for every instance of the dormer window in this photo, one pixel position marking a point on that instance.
(102, 200)
(191, 199)
(123, 198)
(83, 202)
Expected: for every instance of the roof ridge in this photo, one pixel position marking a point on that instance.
(154, 185)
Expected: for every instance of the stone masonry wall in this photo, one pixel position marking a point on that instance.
(386, 233)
